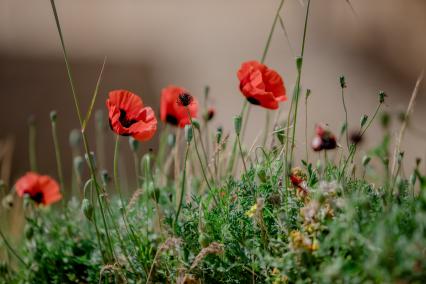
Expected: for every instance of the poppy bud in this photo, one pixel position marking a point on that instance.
(219, 133)
(418, 160)
(188, 133)
(308, 93)
(75, 138)
(342, 82)
(385, 120)
(134, 144)
(78, 165)
(382, 96)
(53, 115)
(90, 159)
(171, 139)
(7, 201)
(365, 161)
(400, 157)
(105, 177)
(363, 120)
(237, 124)
(196, 124)
(280, 135)
(185, 99)
(87, 209)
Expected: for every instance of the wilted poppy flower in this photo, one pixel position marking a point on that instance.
(129, 117)
(41, 189)
(298, 179)
(261, 85)
(210, 113)
(324, 139)
(355, 137)
(174, 101)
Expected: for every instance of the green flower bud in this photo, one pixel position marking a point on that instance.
(78, 165)
(365, 161)
(53, 115)
(196, 124)
(90, 159)
(171, 140)
(188, 133)
(75, 138)
(105, 177)
(219, 133)
(342, 82)
(363, 120)
(134, 144)
(382, 96)
(87, 209)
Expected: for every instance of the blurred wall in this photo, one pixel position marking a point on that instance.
(149, 44)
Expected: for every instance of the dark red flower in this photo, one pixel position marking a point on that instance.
(128, 116)
(173, 109)
(324, 139)
(41, 189)
(261, 85)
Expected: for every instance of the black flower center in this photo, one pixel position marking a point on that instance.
(253, 101)
(124, 120)
(185, 99)
(38, 197)
(171, 119)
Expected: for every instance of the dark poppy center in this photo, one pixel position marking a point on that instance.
(38, 197)
(253, 101)
(171, 119)
(124, 120)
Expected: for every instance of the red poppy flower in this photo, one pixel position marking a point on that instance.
(209, 115)
(324, 139)
(41, 189)
(172, 110)
(128, 116)
(261, 85)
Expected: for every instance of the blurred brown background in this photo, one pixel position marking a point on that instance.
(381, 45)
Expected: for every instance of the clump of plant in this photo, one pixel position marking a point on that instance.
(206, 207)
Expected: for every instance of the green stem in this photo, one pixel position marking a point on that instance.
(6, 242)
(58, 156)
(182, 189)
(346, 118)
(299, 77)
(116, 177)
(196, 150)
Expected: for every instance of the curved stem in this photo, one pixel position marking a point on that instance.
(6, 242)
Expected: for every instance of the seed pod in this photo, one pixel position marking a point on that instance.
(342, 82)
(87, 209)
